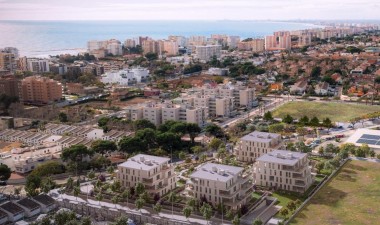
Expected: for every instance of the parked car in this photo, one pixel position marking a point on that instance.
(3, 183)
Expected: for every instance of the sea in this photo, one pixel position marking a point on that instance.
(45, 38)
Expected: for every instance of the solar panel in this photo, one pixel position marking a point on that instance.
(367, 141)
(372, 137)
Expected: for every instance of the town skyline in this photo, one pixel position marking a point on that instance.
(181, 10)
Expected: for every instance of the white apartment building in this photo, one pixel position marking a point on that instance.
(153, 113)
(38, 65)
(220, 184)
(256, 144)
(217, 106)
(155, 173)
(126, 76)
(206, 52)
(111, 46)
(232, 41)
(114, 47)
(284, 170)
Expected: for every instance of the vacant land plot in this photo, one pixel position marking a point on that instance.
(337, 112)
(351, 198)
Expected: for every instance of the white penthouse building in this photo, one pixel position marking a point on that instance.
(220, 184)
(155, 173)
(283, 170)
(256, 144)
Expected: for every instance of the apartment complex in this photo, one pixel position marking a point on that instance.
(126, 76)
(160, 113)
(256, 144)
(220, 184)
(38, 65)
(7, 61)
(255, 45)
(41, 90)
(280, 40)
(155, 173)
(102, 48)
(284, 170)
(11, 86)
(206, 52)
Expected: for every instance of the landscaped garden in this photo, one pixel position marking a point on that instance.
(350, 198)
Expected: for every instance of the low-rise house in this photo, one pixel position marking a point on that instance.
(284, 170)
(155, 173)
(255, 144)
(13, 211)
(30, 207)
(220, 184)
(46, 202)
(3, 217)
(322, 88)
(299, 87)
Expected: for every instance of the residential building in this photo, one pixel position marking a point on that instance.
(299, 87)
(6, 122)
(153, 113)
(7, 61)
(30, 207)
(169, 47)
(130, 43)
(304, 40)
(38, 65)
(322, 88)
(232, 41)
(13, 211)
(114, 47)
(217, 71)
(41, 90)
(278, 41)
(46, 202)
(284, 170)
(255, 144)
(11, 50)
(102, 48)
(181, 40)
(197, 40)
(151, 46)
(11, 86)
(206, 52)
(220, 184)
(3, 217)
(155, 173)
(126, 76)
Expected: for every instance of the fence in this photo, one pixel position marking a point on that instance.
(315, 192)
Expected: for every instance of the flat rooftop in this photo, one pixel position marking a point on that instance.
(144, 162)
(365, 136)
(282, 157)
(44, 199)
(12, 208)
(216, 172)
(29, 204)
(260, 136)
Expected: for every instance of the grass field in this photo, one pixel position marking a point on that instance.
(337, 112)
(351, 198)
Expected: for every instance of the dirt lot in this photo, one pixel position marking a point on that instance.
(6, 146)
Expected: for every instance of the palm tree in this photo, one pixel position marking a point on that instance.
(206, 211)
(187, 212)
(157, 207)
(126, 195)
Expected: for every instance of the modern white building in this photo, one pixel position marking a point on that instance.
(126, 76)
(155, 173)
(256, 144)
(38, 65)
(284, 170)
(220, 184)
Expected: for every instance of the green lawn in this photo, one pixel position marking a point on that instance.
(351, 198)
(337, 112)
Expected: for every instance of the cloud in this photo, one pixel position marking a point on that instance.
(187, 10)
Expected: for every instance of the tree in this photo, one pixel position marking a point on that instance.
(142, 124)
(123, 220)
(214, 130)
(291, 205)
(147, 136)
(288, 119)
(126, 195)
(314, 121)
(69, 183)
(33, 183)
(5, 172)
(48, 184)
(62, 117)
(221, 153)
(257, 222)
(327, 123)
(139, 203)
(268, 116)
(91, 175)
(319, 166)
(372, 153)
(103, 146)
(187, 212)
(301, 131)
(284, 211)
(99, 197)
(219, 80)
(304, 120)
(366, 149)
(115, 199)
(131, 145)
(206, 211)
(150, 56)
(192, 202)
(316, 72)
(182, 155)
(102, 122)
(49, 168)
(76, 191)
(236, 220)
(140, 188)
(215, 143)
(157, 207)
(75, 153)
(193, 130)
(276, 128)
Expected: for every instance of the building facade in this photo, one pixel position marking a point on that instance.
(284, 170)
(41, 90)
(155, 173)
(256, 144)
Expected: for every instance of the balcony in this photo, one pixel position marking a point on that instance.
(299, 183)
(225, 194)
(147, 181)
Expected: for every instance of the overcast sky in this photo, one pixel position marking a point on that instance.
(188, 9)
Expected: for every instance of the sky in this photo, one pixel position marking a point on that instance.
(189, 9)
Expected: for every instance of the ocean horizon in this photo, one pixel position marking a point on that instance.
(44, 38)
